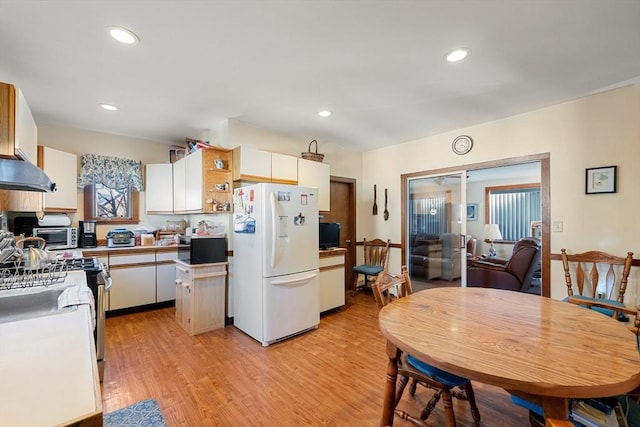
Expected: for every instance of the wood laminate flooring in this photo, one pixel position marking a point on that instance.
(332, 376)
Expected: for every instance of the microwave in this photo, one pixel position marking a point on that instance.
(202, 250)
(58, 237)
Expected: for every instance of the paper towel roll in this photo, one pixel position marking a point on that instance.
(54, 221)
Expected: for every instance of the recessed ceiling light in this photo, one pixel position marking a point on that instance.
(324, 113)
(123, 35)
(457, 54)
(109, 107)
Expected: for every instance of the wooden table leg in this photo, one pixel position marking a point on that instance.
(390, 386)
(555, 407)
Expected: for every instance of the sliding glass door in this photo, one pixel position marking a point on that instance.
(436, 227)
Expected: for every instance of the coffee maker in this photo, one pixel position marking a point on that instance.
(88, 237)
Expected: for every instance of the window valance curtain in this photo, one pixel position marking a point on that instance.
(112, 172)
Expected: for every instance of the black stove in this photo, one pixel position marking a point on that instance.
(89, 264)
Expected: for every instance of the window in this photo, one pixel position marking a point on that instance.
(112, 205)
(514, 208)
(111, 187)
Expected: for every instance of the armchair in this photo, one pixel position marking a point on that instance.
(514, 274)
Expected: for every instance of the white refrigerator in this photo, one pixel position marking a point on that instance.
(275, 261)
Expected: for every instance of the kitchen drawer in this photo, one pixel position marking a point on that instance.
(122, 260)
(166, 256)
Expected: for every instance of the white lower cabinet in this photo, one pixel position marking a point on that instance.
(133, 280)
(331, 279)
(165, 276)
(146, 276)
(200, 296)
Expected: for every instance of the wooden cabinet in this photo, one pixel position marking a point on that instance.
(251, 164)
(332, 279)
(165, 275)
(316, 174)
(217, 188)
(133, 280)
(200, 296)
(18, 139)
(202, 182)
(18, 130)
(159, 188)
(284, 169)
(61, 168)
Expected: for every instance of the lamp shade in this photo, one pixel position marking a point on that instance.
(492, 232)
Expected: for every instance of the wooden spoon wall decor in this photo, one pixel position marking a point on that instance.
(375, 204)
(386, 211)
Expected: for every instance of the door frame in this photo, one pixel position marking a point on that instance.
(545, 201)
(351, 239)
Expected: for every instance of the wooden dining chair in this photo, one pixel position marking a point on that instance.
(585, 268)
(376, 254)
(410, 367)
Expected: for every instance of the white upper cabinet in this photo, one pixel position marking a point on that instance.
(194, 182)
(159, 188)
(284, 169)
(251, 164)
(26, 137)
(318, 175)
(61, 168)
(179, 183)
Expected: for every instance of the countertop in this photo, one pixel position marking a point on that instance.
(48, 369)
(103, 250)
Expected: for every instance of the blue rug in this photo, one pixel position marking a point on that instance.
(143, 414)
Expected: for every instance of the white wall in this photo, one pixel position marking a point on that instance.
(599, 130)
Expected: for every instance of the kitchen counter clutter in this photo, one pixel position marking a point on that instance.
(48, 369)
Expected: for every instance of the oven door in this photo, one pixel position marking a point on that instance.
(55, 238)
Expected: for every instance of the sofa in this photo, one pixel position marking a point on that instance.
(435, 256)
(424, 247)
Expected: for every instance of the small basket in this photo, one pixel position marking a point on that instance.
(316, 157)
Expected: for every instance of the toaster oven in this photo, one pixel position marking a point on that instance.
(58, 237)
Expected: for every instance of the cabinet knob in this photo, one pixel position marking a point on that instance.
(178, 282)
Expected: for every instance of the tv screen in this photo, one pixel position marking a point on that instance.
(329, 235)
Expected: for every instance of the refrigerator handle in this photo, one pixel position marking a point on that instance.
(274, 231)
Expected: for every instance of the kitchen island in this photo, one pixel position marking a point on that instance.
(48, 368)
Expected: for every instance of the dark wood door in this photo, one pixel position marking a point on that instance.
(343, 210)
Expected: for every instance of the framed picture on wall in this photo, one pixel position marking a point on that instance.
(601, 180)
(472, 211)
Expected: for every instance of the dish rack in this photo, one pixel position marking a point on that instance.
(14, 274)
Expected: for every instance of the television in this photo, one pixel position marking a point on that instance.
(329, 236)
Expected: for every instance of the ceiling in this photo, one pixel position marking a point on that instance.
(377, 65)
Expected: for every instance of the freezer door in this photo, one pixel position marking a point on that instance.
(290, 229)
(291, 305)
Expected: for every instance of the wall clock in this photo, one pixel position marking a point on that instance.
(462, 144)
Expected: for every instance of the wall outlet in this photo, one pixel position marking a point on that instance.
(556, 226)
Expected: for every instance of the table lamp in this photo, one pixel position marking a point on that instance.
(491, 233)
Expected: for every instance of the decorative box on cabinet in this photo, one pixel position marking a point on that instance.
(159, 188)
(61, 168)
(318, 175)
(200, 296)
(332, 279)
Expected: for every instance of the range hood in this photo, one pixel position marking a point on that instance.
(23, 175)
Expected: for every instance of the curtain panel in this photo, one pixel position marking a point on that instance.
(111, 172)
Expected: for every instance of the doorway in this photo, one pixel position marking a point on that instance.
(343, 210)
(474, 208)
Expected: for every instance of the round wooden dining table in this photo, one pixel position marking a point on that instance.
(539, 348)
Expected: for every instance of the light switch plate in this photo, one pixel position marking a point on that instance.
(557, 226)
